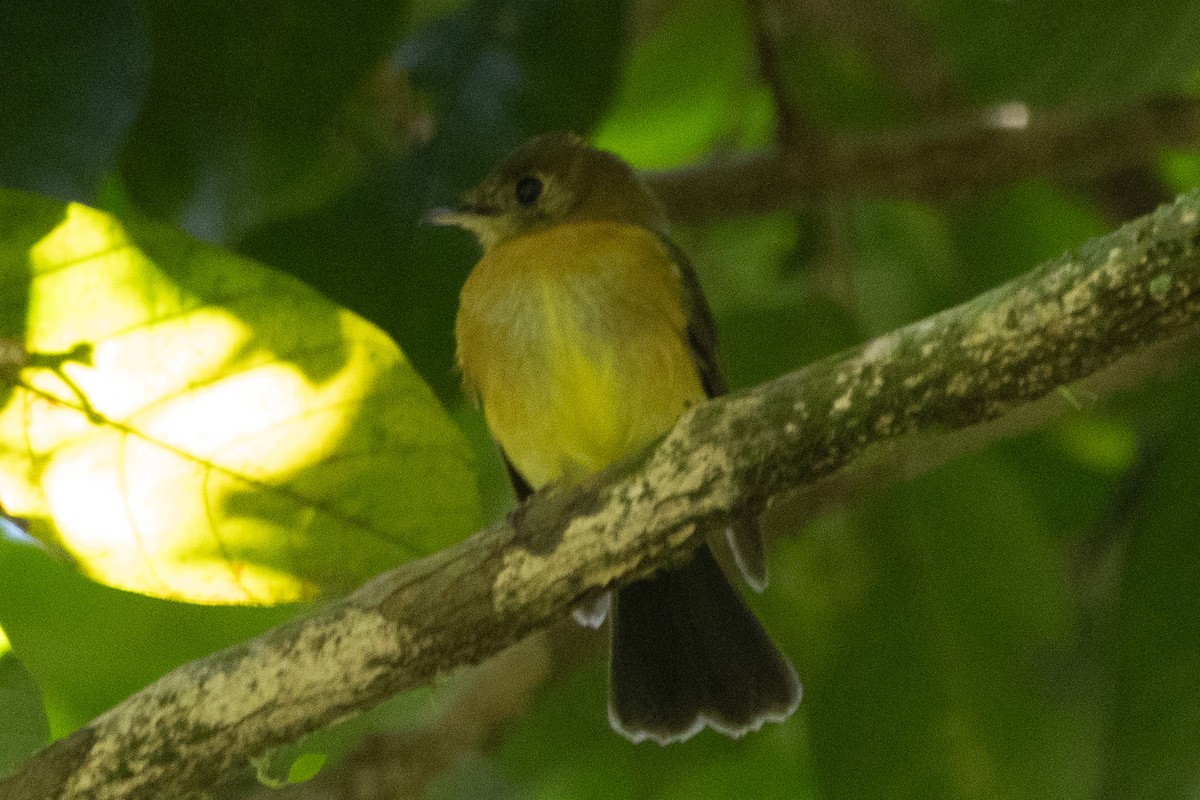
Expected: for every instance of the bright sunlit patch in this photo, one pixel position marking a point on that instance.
(90, 282)
(83, 233)
(173, 467)
(5, 645)
(1011, 116)
(233, 438)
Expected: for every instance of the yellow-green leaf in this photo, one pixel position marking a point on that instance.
(193, 425)
(306, 767)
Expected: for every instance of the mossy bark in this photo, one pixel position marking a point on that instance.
(1120, 308)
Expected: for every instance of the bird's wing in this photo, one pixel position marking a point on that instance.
(521, 487)
(743, 535)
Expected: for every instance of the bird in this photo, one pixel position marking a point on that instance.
(583, 334)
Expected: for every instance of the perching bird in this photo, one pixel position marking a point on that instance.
(583, 334)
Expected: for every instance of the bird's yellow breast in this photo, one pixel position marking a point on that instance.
(574, 340)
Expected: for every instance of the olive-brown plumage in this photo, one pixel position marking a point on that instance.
(583, 334)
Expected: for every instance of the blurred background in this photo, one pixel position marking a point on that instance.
(1024, 622)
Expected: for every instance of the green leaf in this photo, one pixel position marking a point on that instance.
(929, 628)
(306, 767)
(196, 426)
(688, 77)
(1180, 169)
(23, 726)
(89, 646)
(242, 122)
(73, 78)
(1010, 231)
(1155, 737)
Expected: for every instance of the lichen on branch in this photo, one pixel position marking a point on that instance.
(1105, 316)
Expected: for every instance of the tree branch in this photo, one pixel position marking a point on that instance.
(975, 152)
(402, 764)
(792, 132)
(1119, 308)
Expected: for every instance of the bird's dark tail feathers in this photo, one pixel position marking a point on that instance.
(687, 653)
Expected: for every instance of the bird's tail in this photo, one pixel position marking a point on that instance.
(687, 652)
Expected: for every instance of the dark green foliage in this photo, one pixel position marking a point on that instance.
(1022, 623)
(73, 77)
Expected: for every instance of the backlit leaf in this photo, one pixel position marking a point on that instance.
(215, 431)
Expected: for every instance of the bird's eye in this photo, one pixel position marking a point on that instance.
(529, 189)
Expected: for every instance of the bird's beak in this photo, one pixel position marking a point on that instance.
(471, 214)
(477, 219)
(447, 216)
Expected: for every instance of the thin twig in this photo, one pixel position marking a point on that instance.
(791, 131)
(958, 158)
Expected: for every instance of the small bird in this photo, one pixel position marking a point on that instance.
(583, 333)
